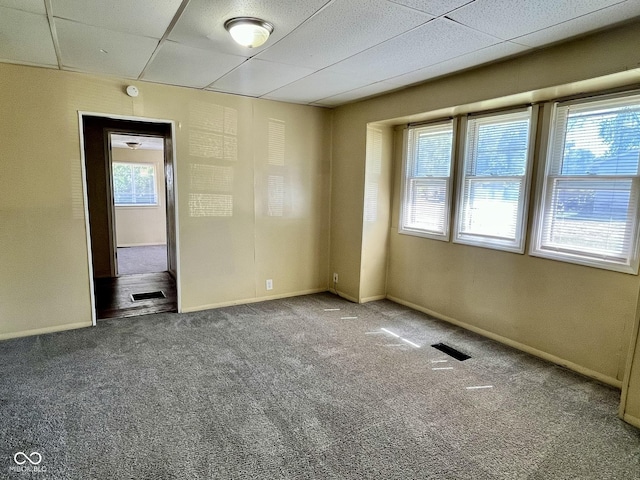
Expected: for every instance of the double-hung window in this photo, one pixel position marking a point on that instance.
(588, 206)
(426, 197)
(134, 184)
(494, 180)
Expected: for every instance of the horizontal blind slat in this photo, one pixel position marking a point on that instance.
(427, 179)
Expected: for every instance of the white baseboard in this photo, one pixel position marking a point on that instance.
(355, 300)
(343, 295)
(40, 331)
(631, 420)
(245, 301)
(372, 299)
(512, 343)
(125, 245)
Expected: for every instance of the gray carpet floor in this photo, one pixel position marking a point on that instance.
(145, 259)
(295, 389)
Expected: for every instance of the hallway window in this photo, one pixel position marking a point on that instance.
(588, 209)
(134, 184)
(426, 204)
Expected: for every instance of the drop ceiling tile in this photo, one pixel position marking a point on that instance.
(469, 60)
(433, 7)
(177, 64)
(508, 19)
(356, 94)
(149, 18)
(202, 23)
(81, 45)
(581, 25)
(146, 143)
(25, 38)
(33, 6)
(437, 41)
(258, 77)
(342, 29)
(320, 85)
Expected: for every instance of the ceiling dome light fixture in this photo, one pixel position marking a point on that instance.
(249, 31)
(133, 145)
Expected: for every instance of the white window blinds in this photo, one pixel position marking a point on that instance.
(494, 181)
(134, 184)
(589, 202)
(427, 181)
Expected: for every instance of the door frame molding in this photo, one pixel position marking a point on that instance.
(172, 152)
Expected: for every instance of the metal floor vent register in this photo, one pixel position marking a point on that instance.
(452, 352)
(136, 297)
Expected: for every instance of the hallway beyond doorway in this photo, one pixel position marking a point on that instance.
(144, 259)
(114, 295)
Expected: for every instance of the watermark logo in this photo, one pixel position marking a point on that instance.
(27, 463)
(27, 458)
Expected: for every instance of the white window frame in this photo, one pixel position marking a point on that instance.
(408, 164)
(155, 184)
(540, 248)
(498, 243)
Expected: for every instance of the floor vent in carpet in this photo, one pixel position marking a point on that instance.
(452, 352)
(136, 297)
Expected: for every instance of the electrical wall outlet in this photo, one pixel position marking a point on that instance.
(269, 284)
(335, 278)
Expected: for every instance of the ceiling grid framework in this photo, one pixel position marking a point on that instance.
(322, 52)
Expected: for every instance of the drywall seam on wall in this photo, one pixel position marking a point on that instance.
(330, 214)
(512, 343)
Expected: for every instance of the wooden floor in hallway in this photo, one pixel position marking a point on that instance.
(114, 296)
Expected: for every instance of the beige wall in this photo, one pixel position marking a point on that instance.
(630, 405)
(575, 315)
(262, 184)
(224, 230)
(142, 225)
(376, 213)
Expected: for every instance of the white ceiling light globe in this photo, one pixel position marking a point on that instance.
(249, 32)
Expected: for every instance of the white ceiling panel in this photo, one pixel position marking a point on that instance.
(146, 143)
(437, 41)
(508, 19)
(326, 51)
(433, 7)
(81, 45)
(148, 18)
(344, 28)
(33, 6)
(585, 23)
(25, 38)
(202, 23)
(320, 85)
(362, 92)
(478, 57)
(258, 77)
(177, 64)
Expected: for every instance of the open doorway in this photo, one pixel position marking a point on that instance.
(139, 198)
(131, 214)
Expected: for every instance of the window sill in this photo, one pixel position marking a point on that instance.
(584, 261)
(423, 234)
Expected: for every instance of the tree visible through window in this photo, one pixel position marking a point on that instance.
(495, 178)
(427, 181)
(134, 184)
(590, 199)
